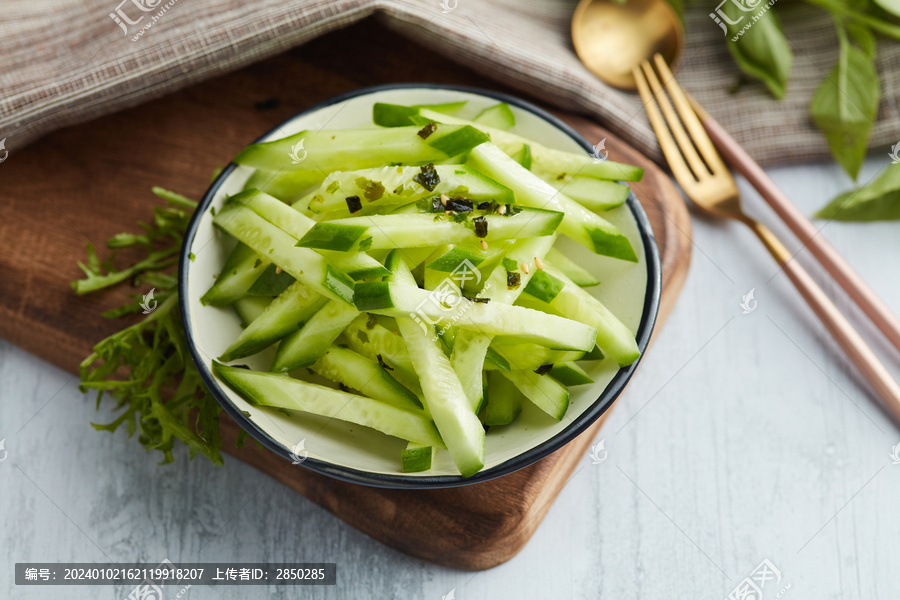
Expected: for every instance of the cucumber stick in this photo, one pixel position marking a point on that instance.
(280, 391)
(281, 317)
(272, 282)
(593, 194)
(373, 340)
(397, 116)
(562, 263)
(426, 229)
(492, 318)
(543, 158)
(241, 270)
(355, 264)
(580, 224)
(387, 188)
(304, 347)
(505, 402)
(268, 240)
(444, 395)
(524, 356)
(287, 186)
(543, 391)
(364, 375)
(499, 116)
(250, 307)
(570, 374)
(329, 150)
(565, 298)
(471, 346)
(416, 458)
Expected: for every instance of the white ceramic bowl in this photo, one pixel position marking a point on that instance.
(362, 455)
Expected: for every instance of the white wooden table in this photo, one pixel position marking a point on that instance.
(743, 437)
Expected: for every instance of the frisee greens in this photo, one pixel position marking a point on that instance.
(146, 367)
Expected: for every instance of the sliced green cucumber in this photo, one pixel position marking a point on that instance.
(593, 194)
(304, 347)
(272, 282)
(394, 115)
(373, 340)
(570, 374)
(413, 230)
(270, 241)
(544, 286)
(283, 316)
(387, 188)
(544, 159)
(567, 267)
(491, 318)
(364, 375)
(444, 395)
(523, 156)
(329, 150)
(505, 402)
(613, 337)
(580, 224)
(524, 356)
(250, 307)
(499, 116)
(543, 391)
(287, 186)
(416, 458)
(242, 268)
(281, 391)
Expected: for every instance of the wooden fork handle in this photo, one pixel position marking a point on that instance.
(858, 290)
(837, 324)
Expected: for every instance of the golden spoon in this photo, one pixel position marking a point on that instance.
(611, 39)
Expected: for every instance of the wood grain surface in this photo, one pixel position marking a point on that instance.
(89, 182)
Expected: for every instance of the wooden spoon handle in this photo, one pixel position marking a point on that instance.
(858, 290)
(837, 324)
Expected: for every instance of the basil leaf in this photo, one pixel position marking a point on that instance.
(759, 47)
(879, 200)
(845, 105)
(863, 37)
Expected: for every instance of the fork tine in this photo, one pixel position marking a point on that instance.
(669, 148)
(699, 135)
(684, 142)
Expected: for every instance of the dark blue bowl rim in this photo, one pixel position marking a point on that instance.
(582, 422)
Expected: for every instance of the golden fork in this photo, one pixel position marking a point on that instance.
(709, 184)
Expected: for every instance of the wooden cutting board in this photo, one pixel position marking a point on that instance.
(91, 181)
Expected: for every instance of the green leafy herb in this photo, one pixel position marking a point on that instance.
(146, 367)
(845, 105)
(879, 200)
(761, 50)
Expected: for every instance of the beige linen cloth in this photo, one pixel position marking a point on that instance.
(64, 62)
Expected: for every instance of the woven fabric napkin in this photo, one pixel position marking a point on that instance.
(67, 62)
